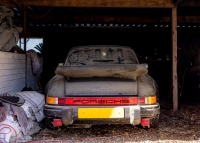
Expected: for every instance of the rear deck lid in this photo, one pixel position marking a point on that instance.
(100, 87)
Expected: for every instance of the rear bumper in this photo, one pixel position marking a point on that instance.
(132, 114)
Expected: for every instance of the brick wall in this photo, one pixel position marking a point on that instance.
(12, 72)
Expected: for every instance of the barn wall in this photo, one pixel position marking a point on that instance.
(12, 73)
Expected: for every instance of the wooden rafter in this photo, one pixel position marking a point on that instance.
(94, 3)
(105, 3)
(114, 18)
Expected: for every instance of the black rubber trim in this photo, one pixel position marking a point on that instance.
(145, 112)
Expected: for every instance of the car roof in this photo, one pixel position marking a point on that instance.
(98, 46)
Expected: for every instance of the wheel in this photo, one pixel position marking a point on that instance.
(155, 122)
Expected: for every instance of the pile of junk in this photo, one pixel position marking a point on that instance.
(21, 113)
(9, 33)
(20, 116)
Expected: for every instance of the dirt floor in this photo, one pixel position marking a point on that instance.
(175, 127)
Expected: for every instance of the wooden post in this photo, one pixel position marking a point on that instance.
(20, 42)
(25, 33)
(25, 28)
(174, 59)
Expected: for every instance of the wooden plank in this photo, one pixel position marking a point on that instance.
(174, 59)
(25, 34)
(12, 82)
(12, 66)
(11, 77)
(8, 55)
(12, 61)
(12, 89)
(102, 3)
(93, 3)
(11, 72)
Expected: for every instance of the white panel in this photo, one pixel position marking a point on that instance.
(7, 55)
(11, 77)
(12, 66)
(12, 72)
(16, 88)
(12, 61)
(12, 82)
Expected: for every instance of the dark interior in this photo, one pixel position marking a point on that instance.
(146, 30)
(151, 44)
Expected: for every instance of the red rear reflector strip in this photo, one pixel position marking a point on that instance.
(61, 101)
(101, 101)
(57, 122)
(142, 100)
(145, 122)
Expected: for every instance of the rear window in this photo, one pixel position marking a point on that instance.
(101, 55)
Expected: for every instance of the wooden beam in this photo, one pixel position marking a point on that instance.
(25, 27)
(112, 19)
(104, 3)
(25, 33)
(174, 59)
(95, 3)
(8, 3)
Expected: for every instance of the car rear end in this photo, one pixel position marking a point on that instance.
(102, 110)
(103, 92)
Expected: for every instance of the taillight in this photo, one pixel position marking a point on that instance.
(147, 100)
(101, 100)
(51, 100)
(61, 101)
(93, 101)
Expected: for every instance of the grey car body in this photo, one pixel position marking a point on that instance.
(102, 72)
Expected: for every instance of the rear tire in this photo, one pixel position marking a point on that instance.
(155, 122)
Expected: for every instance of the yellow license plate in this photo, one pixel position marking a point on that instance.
(101, 113)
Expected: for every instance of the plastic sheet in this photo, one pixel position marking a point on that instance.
(9, 33)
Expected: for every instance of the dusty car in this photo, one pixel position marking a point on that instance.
(101, 85)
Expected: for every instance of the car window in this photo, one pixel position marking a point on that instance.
(101, 55)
